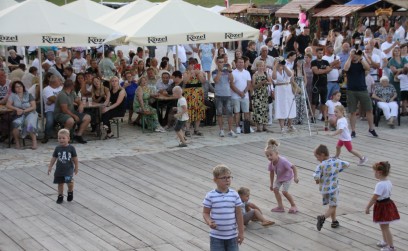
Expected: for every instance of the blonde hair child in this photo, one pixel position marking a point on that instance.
(285, 172)
(330, 105)
(385, 210)
(250, 211)
(345, 136)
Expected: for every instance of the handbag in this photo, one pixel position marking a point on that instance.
(271, 96)
(247, 126)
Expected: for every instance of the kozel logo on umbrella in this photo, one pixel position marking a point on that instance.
(95, 40)
(157, 40)
(53, 40)
(230, 35)
(196, 37)
(8, 38)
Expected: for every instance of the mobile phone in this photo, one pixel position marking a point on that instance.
(197, 67)
(225, 67)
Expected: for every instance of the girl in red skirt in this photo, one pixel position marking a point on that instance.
(385, 210)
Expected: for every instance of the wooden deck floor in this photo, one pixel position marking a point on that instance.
(153, 201)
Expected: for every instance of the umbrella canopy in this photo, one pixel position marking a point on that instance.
(47, 24)
(88, 9)
(125, 12)
(4, 4)
(178, 22)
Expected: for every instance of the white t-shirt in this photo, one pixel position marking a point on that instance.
(383, 189)
(400, 33)
(276, 35)
(31, 90)
(79, 64)
(385, 46)
(48, 92)
(374, 72)
(181, 53)
(331, 105)
(333, 75)
(182, 102)
(403, 82)
(241, 79)
(343, 125)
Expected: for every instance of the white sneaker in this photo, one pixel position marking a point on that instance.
(283, 131)
(159, 129)
(387, 249)
(232, 134)
(238, 130)
(381, 244)
(221, 133)
(251, 130)
(291, 129)
(362, 161)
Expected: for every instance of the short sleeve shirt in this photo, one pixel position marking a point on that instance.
(182, 102)
(386, 92)
(66, 99)
(383, 189)
(65, 162)
(327, 174)
(222, 87)
(283, 169)
(321, 79)
(345, 134)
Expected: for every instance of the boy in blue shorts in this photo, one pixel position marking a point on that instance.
(222, 212)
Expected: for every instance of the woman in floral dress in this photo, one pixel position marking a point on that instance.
(260, 82)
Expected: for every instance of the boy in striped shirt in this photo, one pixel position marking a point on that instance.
(222, 212)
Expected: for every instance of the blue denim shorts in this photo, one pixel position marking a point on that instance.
(224, 245)
(221, 103)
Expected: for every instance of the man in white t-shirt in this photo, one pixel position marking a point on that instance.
(239, 94)
(388, 46)
(49, 96)
(50, 58)
(276, 36)
(373, 60)
(333, 75)
(79, 63)
(399, 31)
(181, 54)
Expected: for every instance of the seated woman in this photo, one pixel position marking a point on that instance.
(141, 104)
(116, 106)
(100, 93)
(27, 118)
(386, 96)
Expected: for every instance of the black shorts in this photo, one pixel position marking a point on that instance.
(319, 91)
(179, 125)
(63, 179)
(404, 95)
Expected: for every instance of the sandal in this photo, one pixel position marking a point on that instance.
(109, 136)
(278, 210)
(198, 133)
(293, 210)
(267, 223)
(335, 224)
(187, 133)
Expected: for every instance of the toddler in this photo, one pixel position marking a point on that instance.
(385, 210)
(331, 104)
(403, 77)
(181, 115)
(285, 172)
(67, 164)
(326, 175)
(249, 210)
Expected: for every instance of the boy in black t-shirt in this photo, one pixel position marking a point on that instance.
(67, 164)
(320, 68)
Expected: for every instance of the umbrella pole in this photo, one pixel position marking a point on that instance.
(41, 87)
(176, 61)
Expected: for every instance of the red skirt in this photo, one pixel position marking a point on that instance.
(385, 211)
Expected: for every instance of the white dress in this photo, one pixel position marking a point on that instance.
(285, 107)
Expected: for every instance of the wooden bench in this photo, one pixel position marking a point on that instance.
(115, 121)
(142, 115)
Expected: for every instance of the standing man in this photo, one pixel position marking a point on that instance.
(356, 69)
(239, 95)
(302, 41)
(223, 81)
(333, 75)
(320, 68)
(373, 61)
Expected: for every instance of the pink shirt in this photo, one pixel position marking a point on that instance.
(283, 169)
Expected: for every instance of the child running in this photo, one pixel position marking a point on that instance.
(222, 212)
(326, 175)
(345, 136)
(250, 211)
(181, 115)
(331, 104)
(285, 172)
(385, 210)
(67, 164)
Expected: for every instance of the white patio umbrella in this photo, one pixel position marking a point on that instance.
(41, 23)
(125, 12)
(88, 9)
(4, 4)
(178, 22)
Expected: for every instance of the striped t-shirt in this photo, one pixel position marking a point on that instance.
(222, 207)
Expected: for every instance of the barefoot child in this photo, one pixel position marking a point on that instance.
(250, 211)
(345, 136)
(222, 212)
(331, 104)
(285, 172)
(67, 164)
(385, 210)
(326, 175)
(181, 115)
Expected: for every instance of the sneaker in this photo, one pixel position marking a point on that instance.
(187, 133)
(238, 130)
(320, 222)
(291, 129)
(44, 140)
(335, 224)
(373, 133)
(353, 134)
(70, 196)
(232, 134)
(80, 140)
(283, 131)
(363, 161)
(381, 244)
(251, 130)
(60, 199)
(387, 248)
(182, 145)
(221, 133)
